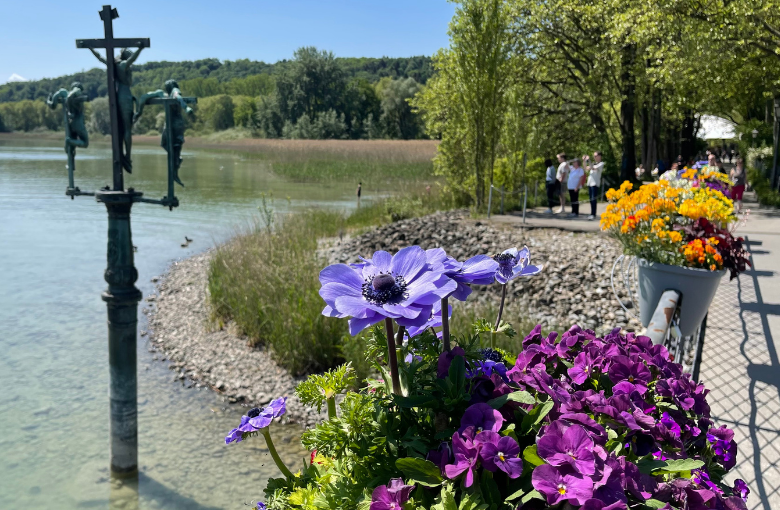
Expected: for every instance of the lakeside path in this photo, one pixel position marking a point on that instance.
(740, 363)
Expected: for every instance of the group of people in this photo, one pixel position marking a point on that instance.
(572, 175)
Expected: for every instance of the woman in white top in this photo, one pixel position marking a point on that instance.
(562, 175)
(574, 183)
(594, 180)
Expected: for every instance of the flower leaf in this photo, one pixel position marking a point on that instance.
(535, 416)
(530, 456)
(654, 503)
(680, 465)
(517, 396)
(421, 471)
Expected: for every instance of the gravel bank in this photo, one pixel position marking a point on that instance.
(180, 329)
(573, 288)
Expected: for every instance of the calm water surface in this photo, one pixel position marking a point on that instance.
(53, 348)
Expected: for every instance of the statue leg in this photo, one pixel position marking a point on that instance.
(177, 162)
(127, 132)
(80, 137)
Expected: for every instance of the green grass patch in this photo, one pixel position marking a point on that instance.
(760, 184)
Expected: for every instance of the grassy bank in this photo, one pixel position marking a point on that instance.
(266, 281)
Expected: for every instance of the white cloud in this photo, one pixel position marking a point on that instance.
(16, 77)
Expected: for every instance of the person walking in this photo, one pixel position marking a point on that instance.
(561, 176)
(594, 180)
(551, 184)
(738, 179)
(574, 183)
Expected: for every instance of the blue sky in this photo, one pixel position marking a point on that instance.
(37, 37)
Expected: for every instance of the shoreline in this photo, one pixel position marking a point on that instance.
(178, 320)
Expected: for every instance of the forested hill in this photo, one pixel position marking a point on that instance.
(212, 77)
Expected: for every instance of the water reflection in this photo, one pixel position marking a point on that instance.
(53, 367)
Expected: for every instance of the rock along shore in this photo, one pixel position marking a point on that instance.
(573, 288)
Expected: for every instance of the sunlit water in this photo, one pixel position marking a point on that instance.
(53, 349)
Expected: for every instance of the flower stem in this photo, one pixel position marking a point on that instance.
(331, 407)
(392, 358)
(501, 308)
(274, 455)
(445, 323)
(399, 337)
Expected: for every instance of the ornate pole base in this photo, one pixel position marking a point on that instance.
(122, 299)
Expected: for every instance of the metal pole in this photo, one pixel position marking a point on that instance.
(773, 178)
(108, 15)
(171, 156)
(525, 200)
(122, 299)
(490, 199)
(502, 200)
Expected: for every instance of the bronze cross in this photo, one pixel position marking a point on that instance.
(108, 14)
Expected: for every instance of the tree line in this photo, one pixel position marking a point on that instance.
(627, 78)
(313, 95)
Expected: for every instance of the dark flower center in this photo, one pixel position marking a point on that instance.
(506, 262)
(383, 288)
(489, 354)
(255, 411)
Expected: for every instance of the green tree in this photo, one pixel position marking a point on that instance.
(216, 113)
(100, 116)
(397, 115)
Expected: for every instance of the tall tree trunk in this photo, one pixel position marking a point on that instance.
(627, 112)
(651, 152)
(644, 129)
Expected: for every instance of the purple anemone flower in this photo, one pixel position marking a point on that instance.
(741, 489)
(478, 270)
(433, 322)
(557, 487)
(403, 287)
(481, 417)
(499, 453)
(257, 419)
(391, 496)
(261, 506)
(466, 455)
(513, 263)
(571, 446)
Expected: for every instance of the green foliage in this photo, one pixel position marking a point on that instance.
(100, 116)
(760, 183)
(215, 113)
(318, 388)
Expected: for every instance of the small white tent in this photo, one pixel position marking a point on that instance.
(716, 128)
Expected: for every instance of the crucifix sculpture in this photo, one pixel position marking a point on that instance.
(122, 296)
(75, 129)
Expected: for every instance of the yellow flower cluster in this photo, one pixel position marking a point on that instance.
(653, 215)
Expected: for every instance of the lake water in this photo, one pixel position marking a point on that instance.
(53, 347)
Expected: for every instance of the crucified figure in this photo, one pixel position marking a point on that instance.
(125, 99)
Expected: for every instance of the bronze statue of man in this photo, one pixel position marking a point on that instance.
(174, 126)
(73, 103)
(124, 96)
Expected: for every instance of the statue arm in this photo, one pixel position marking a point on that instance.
(98, 56)
(142, 101)
(176, 94)
(56, 98)
(134, 56)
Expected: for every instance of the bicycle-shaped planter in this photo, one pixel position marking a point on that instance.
(664, 324)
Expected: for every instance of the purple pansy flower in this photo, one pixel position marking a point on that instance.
(257, 419)
(583, 368)
(636, 373)
(481, 417)
(568, 446)
(445, 360)
(499, 452)
(403, 287)
(513, 263)
(478, 270)
(391, 496)
(557, 485)
(741, 489)
(466, 455)
(670, 424)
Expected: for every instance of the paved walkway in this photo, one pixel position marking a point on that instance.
(740, 363)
